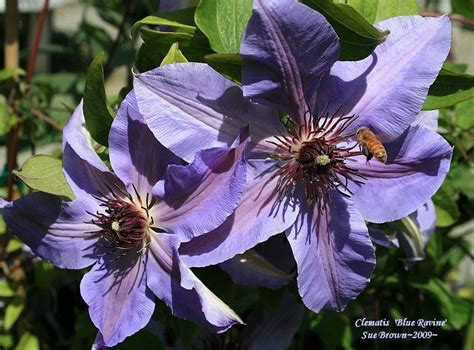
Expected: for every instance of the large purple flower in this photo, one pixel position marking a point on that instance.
(414, 232)
(308, 177)
(130, 224)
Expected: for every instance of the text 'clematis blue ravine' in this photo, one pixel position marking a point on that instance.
(308, 178)
(129, 224)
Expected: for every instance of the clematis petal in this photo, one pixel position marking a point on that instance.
(54, 229)
(386, 90)
(84, 170)
(119, 301)
(190, 107)
(180, 289)
(197, 198)
(425, 217)
(135, 154)
(260, 214)
(78, 138)
(417, 164)
(428, 119)
(416, 232)
(287, 47)
(85, 179)
(379, 237)
(334, 254)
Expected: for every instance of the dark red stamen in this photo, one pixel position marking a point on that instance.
(314, 156)
(123, 223)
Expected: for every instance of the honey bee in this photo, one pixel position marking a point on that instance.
(370, 145)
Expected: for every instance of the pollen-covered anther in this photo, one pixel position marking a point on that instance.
(322, 159)
(124, 223)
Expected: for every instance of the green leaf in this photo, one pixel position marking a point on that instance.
(96, 113)
(358, 37)
(447, 211)
(28, 342)
(6, 340)
(8, 73)
(13, 244)
(5, 290)
(455, 310)
(455, 67)
(228, 64)
(180, 20)
(162, 21)
(449, 89)
(336, 329)
(174, 55)
(465, 114)
(378, 10)
(61, 83)
(223, 22)
(149, 56)
(165, 38)
(469, 337)
(7, 120)
(463, 7)
(157, 44)
(45, 173)
(461, 179)
(12, 312)
(464, 229)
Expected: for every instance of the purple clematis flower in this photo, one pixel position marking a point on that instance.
(129, 224)
(308, 178)
(414, 232)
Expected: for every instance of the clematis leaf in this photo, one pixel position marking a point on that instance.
(463, 7)
(8, 73)
(223, 22)
(461, 178)
(456, 67)
(228, 64)
(96, 113)
(194, 46)
(45, 174)
(28, 342)
(149, 56)
(12, 312)
(6, 340)
(164, 38)
(456, 311)
(13, 244)
(465, 114)
(174, 55)
(447, 211)
(377, 10)
(337, 330)
(449, 89)
(358, 37)
(7, 119)
(181, 21)
(6, 290)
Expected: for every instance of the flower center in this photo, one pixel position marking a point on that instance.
(124, 223)
(315, 155)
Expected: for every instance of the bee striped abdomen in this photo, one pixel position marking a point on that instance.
(370, 145)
